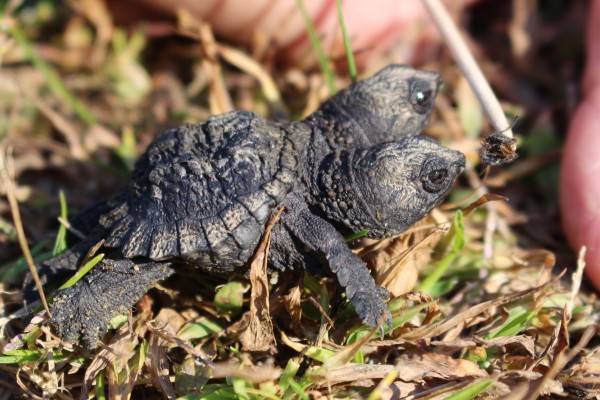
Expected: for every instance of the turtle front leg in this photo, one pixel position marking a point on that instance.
(328, 245)
(81, 313)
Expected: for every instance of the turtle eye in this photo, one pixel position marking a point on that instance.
(435, 180)
(421, 100)
(421, 95)
(438, 176)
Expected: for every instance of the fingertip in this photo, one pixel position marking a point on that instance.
(579, 180)
(591, 79)
(580, 183)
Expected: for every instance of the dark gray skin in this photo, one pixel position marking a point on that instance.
(394, 103)
(202, 194)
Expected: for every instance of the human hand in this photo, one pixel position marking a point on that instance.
(580, 174)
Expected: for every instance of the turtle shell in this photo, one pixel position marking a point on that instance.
(205, 192)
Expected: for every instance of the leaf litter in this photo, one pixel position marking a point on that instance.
(495, 318)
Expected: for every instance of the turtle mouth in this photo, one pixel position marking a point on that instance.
(458, 166)
(438, 84)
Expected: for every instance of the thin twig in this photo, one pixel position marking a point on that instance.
(469, 67)
(6, 173)
(51, 368)
(577, 278)
(319, 307)
(71, 228)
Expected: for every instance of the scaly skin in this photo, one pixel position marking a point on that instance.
(81, 314)
(394, 103)
(201, 195)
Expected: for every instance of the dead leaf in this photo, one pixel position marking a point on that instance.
(356, 372)
(443, 326)
(124, 371)
(519, 344)
(400, 390)
(348, 352)
(259, 334)
(118, 350)
(410, 367)
(252, 374)
(293, 306)
(169, 322)
(65, 127)
(485, 198)
(415, 367)
(219, 99)
(586, 373)
(249, 65)
(396, 262)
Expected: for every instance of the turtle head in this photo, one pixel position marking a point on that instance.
(387, 188)
(401, 182)
(395, 102)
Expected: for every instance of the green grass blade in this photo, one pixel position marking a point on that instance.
(457, 235)
(324, 303)
(199, 330)
(60, 244)
(82, 271)
(471, 391)
(239, 387)
(290, 371)
(212, 392)
(21, 356)
(100, 393)
(318, 48)
(261, 394)
(347, 45)
(298, 390)
(54, 81)
(356, 235)
(118, 321)
(519, 319)
(438, 272)
(319, 354)
(458, 227)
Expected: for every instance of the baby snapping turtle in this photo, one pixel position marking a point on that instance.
(202, 194)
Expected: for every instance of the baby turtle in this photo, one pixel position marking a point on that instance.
(201, 195)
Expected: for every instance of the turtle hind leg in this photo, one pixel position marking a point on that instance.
(52, 272)
(56, 270)
(81, 313)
